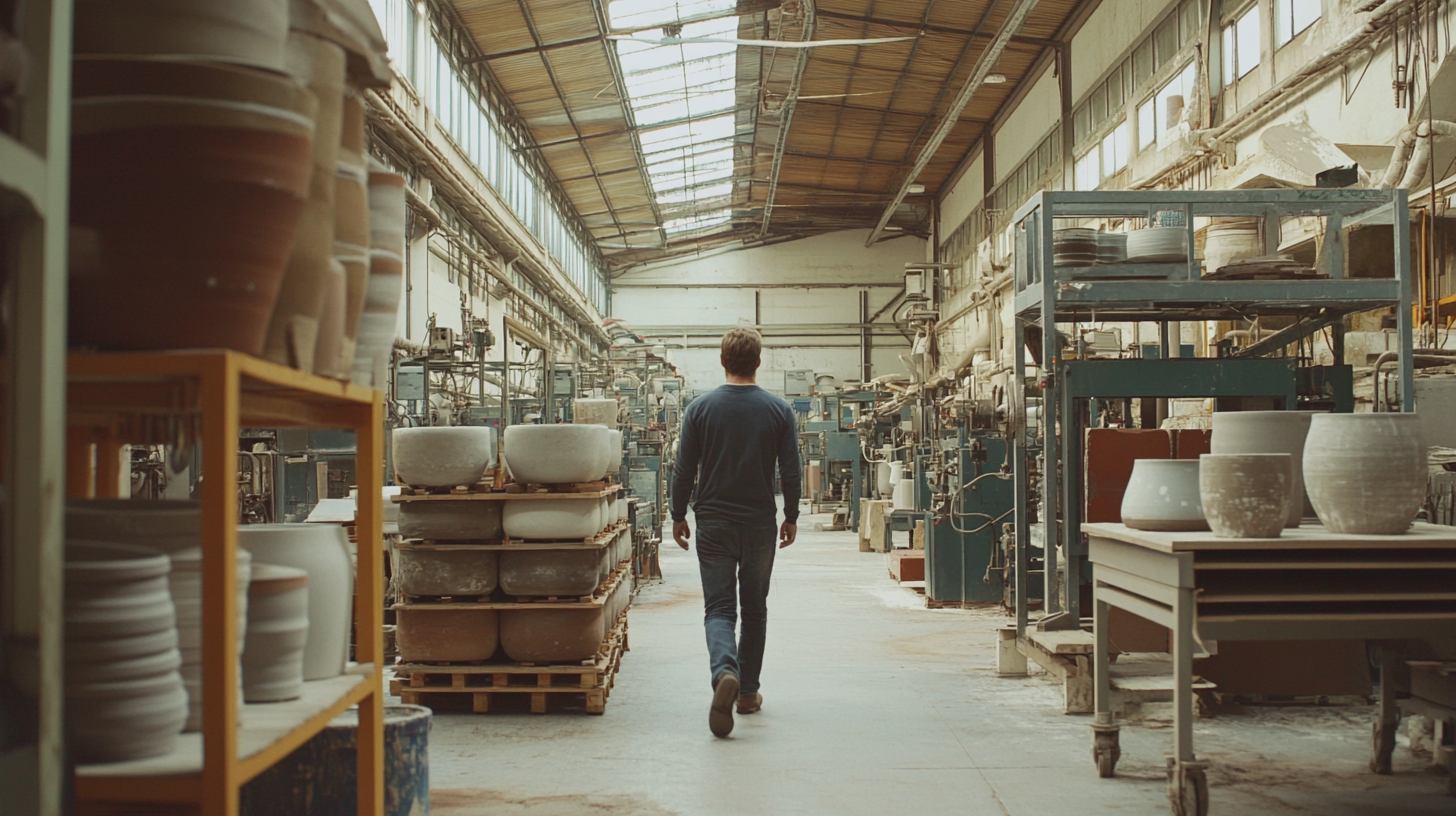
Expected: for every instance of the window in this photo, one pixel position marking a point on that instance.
(1114, 151)
(1147, 130)
(1165, 109)
(1086, 175)
(1241, 46)
(1293, 16)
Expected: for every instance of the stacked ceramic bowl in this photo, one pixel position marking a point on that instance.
(445, 456)
(167, 526)
(124, 696)
(322, 551)
(557, 454)
(1158, 245)
(385, 289)
(1232, 239)
(1111, 247)
(185, 582)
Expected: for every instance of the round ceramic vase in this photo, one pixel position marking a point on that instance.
(1162, 496)
(1267, 432)
(1366, 473)
(443, 456)
(556, 454)
(1246, 495)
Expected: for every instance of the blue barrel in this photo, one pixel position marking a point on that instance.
(320, 778)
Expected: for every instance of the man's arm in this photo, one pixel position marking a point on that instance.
(685, 471)
(790, 474)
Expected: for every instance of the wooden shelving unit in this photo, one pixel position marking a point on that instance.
(205, 397)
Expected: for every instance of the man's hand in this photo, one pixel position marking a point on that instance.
(681, 533)
(787, 532)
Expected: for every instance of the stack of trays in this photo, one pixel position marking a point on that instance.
(1158, 245)
(1074, 246)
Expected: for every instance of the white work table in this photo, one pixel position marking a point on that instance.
(1308, 584)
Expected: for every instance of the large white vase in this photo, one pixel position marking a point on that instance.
(322, 551)
(1267, 432)
(1366, 473)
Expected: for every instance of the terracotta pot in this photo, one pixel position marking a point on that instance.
(1246, 495)
(1267, 432)
(446, 635)
(329, 349)
(553, 635)
(182, 213)
(352, 135)
(250, 32)
(443, 456)
(321, 550)
(1366, 473)
(555, 520)
(451, 520)
(277, 634)
(556, 454)
(1163, 495)
(551, 572)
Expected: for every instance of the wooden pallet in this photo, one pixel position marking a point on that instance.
(597, 541)
(600, 485)
(485, 485)
(593, 680)
(483, 491)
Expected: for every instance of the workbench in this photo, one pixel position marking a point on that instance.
(1308, 584)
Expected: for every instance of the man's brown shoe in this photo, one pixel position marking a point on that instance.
(749, 703)
(720, 716)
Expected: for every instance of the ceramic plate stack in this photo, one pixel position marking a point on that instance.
(185, 581)
(124, 696)
(1232, 239)
(1158, 245)
(1074, 246)
(1111, 247)
(277, 634)
(167, 526)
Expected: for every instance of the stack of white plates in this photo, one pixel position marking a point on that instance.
(1232, 239)
(1074, 246)
(185, 581)
(1111, 247)
(1158, 245)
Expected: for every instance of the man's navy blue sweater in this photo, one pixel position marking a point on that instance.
(730, 438)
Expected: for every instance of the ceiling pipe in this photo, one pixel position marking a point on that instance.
(984, 64)
(787, 116)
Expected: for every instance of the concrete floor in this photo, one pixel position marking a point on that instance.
(875, 705)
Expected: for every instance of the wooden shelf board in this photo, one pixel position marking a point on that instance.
(24, 171)
(1319, 596)
(269, 732)
(595, 494)
(1421, 536)
(1322, 565)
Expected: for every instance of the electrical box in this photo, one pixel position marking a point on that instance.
(442, 338)
(409, 383)
(563, 383)
(798, 382)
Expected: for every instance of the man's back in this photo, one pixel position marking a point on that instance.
(730, 440)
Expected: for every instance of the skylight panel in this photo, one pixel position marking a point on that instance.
(635, 14)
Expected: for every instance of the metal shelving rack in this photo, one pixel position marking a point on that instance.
(206, 397)
(1047, 294)
(34, 178)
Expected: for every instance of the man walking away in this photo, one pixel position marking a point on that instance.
(730, 440)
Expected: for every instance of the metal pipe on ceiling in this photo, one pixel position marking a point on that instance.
(984, 64)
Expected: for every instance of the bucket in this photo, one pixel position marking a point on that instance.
(320, 778)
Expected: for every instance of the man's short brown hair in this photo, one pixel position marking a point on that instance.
(740, 352)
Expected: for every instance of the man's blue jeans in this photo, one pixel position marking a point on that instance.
(736, 563)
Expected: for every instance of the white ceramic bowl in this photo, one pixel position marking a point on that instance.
(443, 457)
(614, 451)
(554, 520)
(556, 454)
(1163, 494)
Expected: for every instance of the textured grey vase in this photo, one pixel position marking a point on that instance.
(1366, 473)
(1267, 432)
(1246, 495)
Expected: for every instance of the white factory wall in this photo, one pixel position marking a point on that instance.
(1104, 38)
(804, 296)
(1025, 126)
(965, 192)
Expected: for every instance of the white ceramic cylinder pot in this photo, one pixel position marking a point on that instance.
(552, 520)
(556, 454)
(1163, 495)
(444, 456)
(883, 485)
(185, 582)
(614, 451)
(1366, 473)
(1246, 495)
(321, 550)
(1267, 432)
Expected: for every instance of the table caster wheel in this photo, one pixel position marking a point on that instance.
(1382, 746)
(1106, 750)
(1187, 788)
